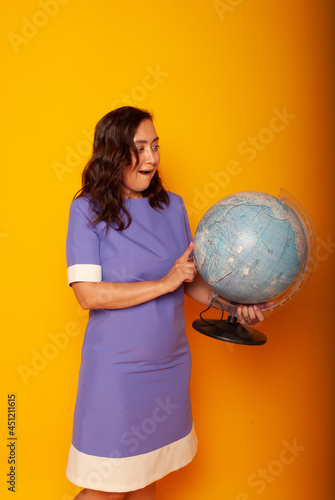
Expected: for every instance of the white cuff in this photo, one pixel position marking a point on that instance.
(84, 272)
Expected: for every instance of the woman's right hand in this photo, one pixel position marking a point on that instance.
(183, 270)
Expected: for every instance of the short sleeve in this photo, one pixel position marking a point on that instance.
(186, 223)
(82, 245)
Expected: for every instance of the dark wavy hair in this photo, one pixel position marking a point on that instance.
(112, 152)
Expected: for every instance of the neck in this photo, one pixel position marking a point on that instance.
(131, 195)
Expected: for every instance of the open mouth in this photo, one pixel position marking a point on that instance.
(145, 172)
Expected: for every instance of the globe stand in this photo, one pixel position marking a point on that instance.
(229, 330)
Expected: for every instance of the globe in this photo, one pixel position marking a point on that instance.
(253, 248)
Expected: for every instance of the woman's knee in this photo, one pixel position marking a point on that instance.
(147, 493)
(99, 495)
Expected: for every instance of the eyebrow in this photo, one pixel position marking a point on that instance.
(143, 141)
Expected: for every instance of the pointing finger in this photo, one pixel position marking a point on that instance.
(187, 253)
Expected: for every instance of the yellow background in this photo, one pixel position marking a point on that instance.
(212, 75)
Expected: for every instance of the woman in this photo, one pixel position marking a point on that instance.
(128, 252)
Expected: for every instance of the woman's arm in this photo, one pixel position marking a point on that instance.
(198, 290)
(110, 295)
(201, 292)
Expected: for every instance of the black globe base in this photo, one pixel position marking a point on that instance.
(229, 330)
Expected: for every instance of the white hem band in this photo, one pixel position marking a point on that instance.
(84, 272)
(130, 473)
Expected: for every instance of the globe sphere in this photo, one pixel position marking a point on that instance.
(250, 247)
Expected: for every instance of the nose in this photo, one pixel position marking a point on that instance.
(149, 156)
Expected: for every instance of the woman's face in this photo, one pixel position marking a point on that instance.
(136, 180)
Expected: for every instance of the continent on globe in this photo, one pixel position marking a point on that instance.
(250, 247)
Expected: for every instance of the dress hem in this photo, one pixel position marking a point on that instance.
(130, 473)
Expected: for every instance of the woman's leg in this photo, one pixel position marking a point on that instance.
(147, 493)
(87, 494)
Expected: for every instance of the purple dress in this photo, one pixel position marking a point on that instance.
(133, 421)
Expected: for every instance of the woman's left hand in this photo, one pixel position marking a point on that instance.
(249, 315)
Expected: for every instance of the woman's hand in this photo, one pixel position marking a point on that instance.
(110, 295)
(249, 315)
(183, 270)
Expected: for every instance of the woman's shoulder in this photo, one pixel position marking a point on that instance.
(177, 205)
(82, 204)
(175, 198)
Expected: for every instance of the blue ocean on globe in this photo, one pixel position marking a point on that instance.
(250, 247)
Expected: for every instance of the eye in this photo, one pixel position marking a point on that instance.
(140, 150)
(155, 147)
